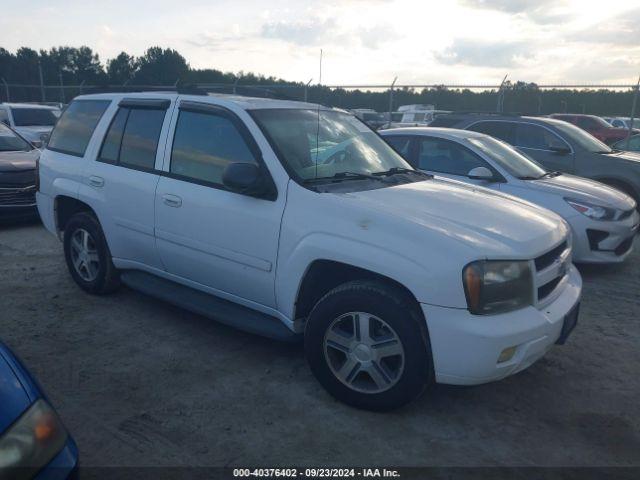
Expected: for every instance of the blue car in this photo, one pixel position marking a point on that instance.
(33, 441)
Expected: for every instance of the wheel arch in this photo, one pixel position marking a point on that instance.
(323, 275)
(66, 207)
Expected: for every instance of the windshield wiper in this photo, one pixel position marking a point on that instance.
(400, 170)
(551, 174)
(340, 176)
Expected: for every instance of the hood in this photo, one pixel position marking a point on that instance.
(625, 155)
(583, 189)
(13, 397)
(33, 133)
(18, 161)
(492, 224)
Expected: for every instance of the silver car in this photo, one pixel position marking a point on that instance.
(603, 220)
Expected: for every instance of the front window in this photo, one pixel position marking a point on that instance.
(10, 142)
(582, 138)
(33, 117)
(325, 143)
(508, 158)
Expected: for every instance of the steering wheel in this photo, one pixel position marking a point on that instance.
(339, 158)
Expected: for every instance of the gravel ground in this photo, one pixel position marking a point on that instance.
(139, 383)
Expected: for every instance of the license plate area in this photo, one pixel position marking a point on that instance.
(568, 324)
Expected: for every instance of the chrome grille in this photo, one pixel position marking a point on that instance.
(18, 197)
(551, 268)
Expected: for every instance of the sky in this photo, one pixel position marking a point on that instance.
(363, 41)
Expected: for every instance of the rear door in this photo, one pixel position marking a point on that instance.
(120, 182)
(205, 233)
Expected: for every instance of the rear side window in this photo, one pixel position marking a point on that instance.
(204, 144)
(76, 125)
(132, 138)
(500, 130)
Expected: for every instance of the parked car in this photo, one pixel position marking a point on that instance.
(631, 145)
(33, 121)
(372, 118)
(596, 126)
(557, 146)
(624, 122)
(33, 441)
(17, 175)
(284, 218)
(603, 220)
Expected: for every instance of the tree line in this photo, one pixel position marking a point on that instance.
(65, 66)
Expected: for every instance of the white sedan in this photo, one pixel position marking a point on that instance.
(603, 220)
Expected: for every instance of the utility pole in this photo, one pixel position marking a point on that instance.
(633, 112)
(61, 88)
(41, 81)
(391, 101)
(6, 88)
(500, 106)
(306, 88)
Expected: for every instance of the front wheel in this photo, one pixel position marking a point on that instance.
(367, 344)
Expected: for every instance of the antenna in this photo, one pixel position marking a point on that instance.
(320, 76)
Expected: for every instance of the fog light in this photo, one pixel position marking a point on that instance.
(507, 354)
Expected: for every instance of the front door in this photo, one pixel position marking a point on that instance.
(204, 232)
(545, 147)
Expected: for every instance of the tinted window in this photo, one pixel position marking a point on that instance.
(40, 117)
(10, 142)
(204, 144)
(445, 156)
(400, 144)
(76, 125)
(140, 138)
(502, 130)
(534, 136)
(444, 121)
(111, 146)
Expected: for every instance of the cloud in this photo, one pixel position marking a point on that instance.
(484, 54)
(328, 32)
(621, 30)
(538, 11)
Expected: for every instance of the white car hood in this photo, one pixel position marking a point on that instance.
(493, 224)
(583, 189)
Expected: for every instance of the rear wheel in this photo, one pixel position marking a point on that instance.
(87, 255)
(367, 344)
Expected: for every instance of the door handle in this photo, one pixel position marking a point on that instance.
(172, 200)
(96, 181)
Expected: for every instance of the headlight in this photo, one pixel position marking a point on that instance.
(597, 212)
(497, 286)
(32, 441)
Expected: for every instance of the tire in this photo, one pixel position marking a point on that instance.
(379, 379)
(98, 275)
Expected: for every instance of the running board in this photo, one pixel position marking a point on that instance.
(210, 306)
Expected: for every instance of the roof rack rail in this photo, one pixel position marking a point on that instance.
(484, 112)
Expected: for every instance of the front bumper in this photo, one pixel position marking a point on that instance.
(616, 241)
(466, 347)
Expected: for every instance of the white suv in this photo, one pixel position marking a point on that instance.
(286, 218)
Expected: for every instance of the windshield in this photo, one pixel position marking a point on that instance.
(324, 143)
(10, 142)
(30, 117)
(582, 138)
(508, 157)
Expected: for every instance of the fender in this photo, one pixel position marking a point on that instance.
(424, 284)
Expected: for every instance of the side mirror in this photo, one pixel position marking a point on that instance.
(560, 149)
(37, 143)
(246, 178)
(480, 173)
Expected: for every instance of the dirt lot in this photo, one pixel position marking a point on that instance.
(140, 383)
